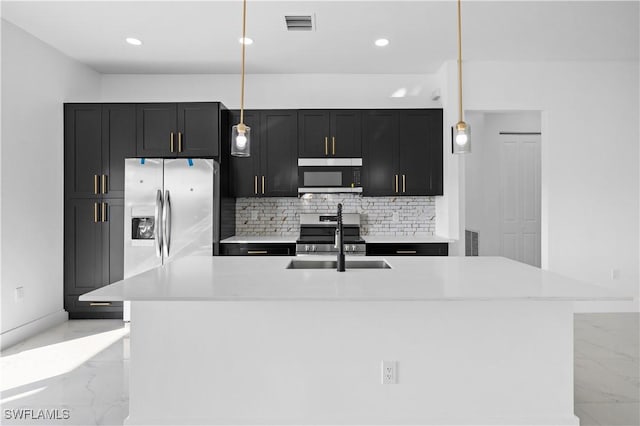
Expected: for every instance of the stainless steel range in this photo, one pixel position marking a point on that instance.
(318, 235)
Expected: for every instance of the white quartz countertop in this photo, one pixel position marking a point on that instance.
(241, 278)
(417, 239)
(248, 239)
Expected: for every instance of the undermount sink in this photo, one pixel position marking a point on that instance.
(332, 264)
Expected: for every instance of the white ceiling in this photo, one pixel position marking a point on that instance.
(202, 36)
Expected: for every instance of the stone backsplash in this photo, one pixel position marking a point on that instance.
(280, 216)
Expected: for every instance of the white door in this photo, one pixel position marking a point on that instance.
(520, 197)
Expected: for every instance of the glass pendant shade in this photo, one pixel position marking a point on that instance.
(461, 140)
(241, 140)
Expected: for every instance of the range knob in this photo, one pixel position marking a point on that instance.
(353, 247)
(346, 247)
(306, 247)
(313, 247)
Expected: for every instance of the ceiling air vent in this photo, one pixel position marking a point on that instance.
(299, 22)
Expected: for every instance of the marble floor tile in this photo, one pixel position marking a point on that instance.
(613, 414)
(585, 419)
(606, 380)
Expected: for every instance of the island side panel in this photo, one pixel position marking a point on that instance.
(316, 362)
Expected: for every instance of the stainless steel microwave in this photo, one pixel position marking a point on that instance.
(329, 175)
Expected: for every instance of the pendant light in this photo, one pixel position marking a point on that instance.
(461, 133)
(241, 133)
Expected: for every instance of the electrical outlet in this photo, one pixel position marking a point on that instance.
(254, 215)
(395, 217)
(615, 274)
(19, 294)
(389, 372)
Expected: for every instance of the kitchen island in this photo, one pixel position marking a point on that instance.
(237, 340)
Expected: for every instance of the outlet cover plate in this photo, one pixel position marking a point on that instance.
(389, 372)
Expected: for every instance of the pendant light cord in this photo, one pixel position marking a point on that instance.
(459, 63)
(244, 44)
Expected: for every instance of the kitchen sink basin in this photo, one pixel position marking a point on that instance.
(332, 264)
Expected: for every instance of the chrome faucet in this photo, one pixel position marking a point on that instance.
(340, 240)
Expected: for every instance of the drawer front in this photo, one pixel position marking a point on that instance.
(408, 249)
(255, 249)
(78, 309)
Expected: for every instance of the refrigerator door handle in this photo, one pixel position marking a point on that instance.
(157, 228)
(166, 222)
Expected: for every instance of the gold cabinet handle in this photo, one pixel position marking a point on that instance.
(333, 145)
(396, 184)
(263, 184)
(255, 184)
(95, 212)
(103, 182)
(103, 215)
(406, 252)
(257, 252)
(96, 185)
(100, 304)
(404, 186)
(326, 145)
(179, 141)
(171, 142)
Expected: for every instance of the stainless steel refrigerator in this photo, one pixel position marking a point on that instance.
(168, 212)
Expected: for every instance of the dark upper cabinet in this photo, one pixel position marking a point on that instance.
(157, 130)
(346, 134)
(97, 139)
(329, 133)
(198, 129)
(178, 130)
(402, 152)
(314, 129)
(278, 154)
(82, 149)
(245, 170)
(272, 168)
(380, 153)
(118, 143)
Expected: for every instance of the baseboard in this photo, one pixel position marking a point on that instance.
(601, 307)
(18, 334)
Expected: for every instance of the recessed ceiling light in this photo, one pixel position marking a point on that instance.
(381, 42)
(245, 40)
(133, 41)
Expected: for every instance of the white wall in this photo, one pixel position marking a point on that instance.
(277, 90)
(590, 151)
(482, 172)
(36, 80)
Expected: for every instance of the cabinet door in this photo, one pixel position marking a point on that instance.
(113, 241)
(156, 128)
(82, 149)
(278, 154)
(245, 170)
(414, 162)
(435, 153)
(346, 134)
(198, 127)
(118, 143)
(83, 250)
(380, 153)
(314, 134)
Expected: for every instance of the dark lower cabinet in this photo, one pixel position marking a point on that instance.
(257, 249)
(407, 249)
(93, 253)
(272, 168)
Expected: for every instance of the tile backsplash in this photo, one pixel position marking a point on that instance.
(280, 216)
